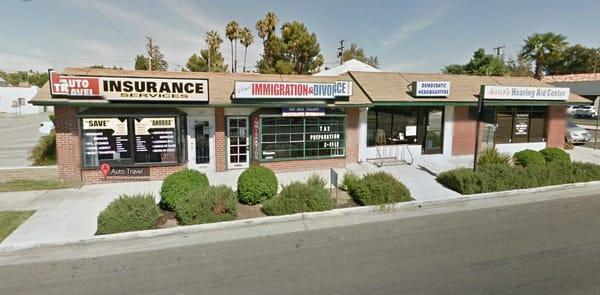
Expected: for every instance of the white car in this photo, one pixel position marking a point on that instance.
(572, 109)
(586, 112)
(575, 134)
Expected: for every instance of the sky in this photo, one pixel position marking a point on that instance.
(407, 36)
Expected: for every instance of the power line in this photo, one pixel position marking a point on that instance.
(114, 26)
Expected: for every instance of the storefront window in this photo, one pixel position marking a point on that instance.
(130, 141)
(106, 140)
(392, 126)
(305, 137)
(520, 124)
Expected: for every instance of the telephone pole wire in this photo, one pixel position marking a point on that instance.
(498, 50)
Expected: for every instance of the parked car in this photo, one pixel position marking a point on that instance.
(576, 135)
(572, 109)
(586, 112)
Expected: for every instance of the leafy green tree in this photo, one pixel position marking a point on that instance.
(271, 43)
(200, 63)
(573, 60)
(297, 51)
(141, 63)
(354, 52)
(519, 67)
(541, 48)
(214, 41)
(481, 64)
(31, 77)
(246, 38)
(232, 32)
(104, 67)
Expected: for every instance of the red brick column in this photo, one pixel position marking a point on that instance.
(68, 151)
(556, 126)
(220, 144)
(352, 132)
(463, 141)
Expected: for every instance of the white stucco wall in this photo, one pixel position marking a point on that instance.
(448, 130)
(10, 94)
(511, 148)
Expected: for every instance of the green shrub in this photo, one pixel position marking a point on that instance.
(529, 158)
(350, 181)
(180, 184)
(299, 197)
(256, 184)
(500, 177)
(555, 155)
(128, 213)
(316, 180)
(492, 156)
(211, 204)
(44, 153)
(379, 188)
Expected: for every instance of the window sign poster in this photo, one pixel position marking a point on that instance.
(411, 130)
(105, 139)
(155, 140)
(521, 124)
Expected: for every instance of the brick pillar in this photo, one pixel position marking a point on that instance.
(463, 141)
(556, 126)
(68, 151)
(352, 135)
(220, 139)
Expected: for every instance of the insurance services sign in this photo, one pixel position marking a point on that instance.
(431, 88)
(524, 93)
(292, 90)
(126, 88)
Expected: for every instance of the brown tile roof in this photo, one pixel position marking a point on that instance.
(221, 85)
(572, 78)
(395, 87)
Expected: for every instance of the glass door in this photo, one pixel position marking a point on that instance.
(200, 143)
(237, 142)
(202, 136)
(434, 126)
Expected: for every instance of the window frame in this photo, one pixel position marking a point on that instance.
(531, 111)
(304, 134)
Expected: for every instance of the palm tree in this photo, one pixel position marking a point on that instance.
(232, 32)
(540, 48)
(246, 38)
(266, 27)
(213, 41)
(270, 20)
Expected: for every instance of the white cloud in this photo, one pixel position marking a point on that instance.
(418, 22)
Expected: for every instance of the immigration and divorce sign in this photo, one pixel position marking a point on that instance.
(126, 88)
(524, 93)
(292, 90)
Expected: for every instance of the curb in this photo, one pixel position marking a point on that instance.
(353, 211)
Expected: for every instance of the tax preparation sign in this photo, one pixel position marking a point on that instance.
(126, 88)
(525, 93)
(431, 88)
(293, 90)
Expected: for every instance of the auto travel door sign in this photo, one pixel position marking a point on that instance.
(127, 88)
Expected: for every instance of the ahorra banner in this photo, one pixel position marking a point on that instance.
(126, 88)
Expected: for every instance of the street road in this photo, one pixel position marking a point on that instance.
(19, 136)
(550, 247)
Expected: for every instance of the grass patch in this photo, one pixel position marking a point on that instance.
(10, 220)
(32, 185)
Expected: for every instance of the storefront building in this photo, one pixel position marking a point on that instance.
(116, 125)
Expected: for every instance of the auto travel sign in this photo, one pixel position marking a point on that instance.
(292, 90)
(127, 88)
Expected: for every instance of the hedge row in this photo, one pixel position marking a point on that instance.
(300, 197)
(499, 177)
(375, 189)
(128, 213)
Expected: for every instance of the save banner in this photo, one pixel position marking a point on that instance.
(126, 88)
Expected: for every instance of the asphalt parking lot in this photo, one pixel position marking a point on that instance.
(19, 136)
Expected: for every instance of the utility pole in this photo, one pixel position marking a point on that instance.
(498, 50)
(150, 49)
(340, 52)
